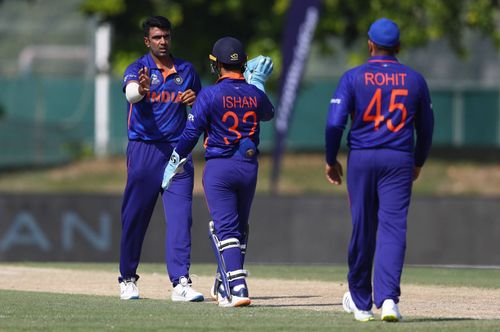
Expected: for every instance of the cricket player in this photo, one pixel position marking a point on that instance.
(387, 102)
(158, 88)
(229, 113)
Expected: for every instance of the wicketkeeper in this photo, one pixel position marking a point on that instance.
(229, 113)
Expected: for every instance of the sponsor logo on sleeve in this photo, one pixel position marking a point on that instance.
(129, 77)
(335, 101)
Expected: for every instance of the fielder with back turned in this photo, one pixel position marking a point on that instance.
(387, 102)
(229, 113)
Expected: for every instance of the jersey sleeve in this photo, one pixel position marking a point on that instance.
(267, 112)
(131, 74)
(196, 123)
(196, 87)
(424, 125)
(341, 104)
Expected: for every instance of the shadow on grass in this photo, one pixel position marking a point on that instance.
(298, 305)
(284, 305)
(435, 319)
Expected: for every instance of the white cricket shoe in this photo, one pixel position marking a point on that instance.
(128, 289)
(183, 292)
(390, 311)
(350, 307)
(239, 297)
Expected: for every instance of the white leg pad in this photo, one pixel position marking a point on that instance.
(229, 243)
(235, 275)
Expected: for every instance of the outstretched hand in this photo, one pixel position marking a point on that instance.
(258, 71)
(144, 81)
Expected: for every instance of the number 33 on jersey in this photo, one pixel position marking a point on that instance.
(228, 112)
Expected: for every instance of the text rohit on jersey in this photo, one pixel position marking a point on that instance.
(385, 79)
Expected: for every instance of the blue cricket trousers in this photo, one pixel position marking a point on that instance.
(145, 166)
(229, 185)
(379, 182)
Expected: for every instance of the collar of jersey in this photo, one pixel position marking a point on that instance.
(233, 76)
(152, 64)
(383, 58)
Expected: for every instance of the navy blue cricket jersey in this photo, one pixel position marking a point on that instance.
(227, 112)
(160, 115)
(387, 102)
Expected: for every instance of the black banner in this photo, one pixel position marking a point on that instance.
(302, 19)
(294, 229)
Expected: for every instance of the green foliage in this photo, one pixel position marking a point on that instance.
(105, 8)
(420, 21)
(122, 59)
(196, 26)
(259, 24)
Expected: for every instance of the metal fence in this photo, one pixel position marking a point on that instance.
(46, 120)
(47, 101)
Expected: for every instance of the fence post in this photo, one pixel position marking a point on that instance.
(102, 50)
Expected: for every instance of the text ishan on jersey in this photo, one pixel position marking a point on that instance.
(239, 102)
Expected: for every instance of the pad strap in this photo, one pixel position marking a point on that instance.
(235, 275)
(229, 243)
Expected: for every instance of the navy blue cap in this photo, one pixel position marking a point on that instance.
(384, 32)
(228, 50)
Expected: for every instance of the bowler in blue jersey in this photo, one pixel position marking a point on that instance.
(390, 136)
(158, 88)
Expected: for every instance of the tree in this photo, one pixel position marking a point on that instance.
(258, 23)
(197, 24)
(420, 20)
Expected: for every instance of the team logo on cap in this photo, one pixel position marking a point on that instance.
(234, 57)
(178, 80)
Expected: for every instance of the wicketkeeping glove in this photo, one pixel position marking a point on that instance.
(258, 71)
(175, 165)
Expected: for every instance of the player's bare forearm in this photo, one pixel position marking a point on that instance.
(334, 173)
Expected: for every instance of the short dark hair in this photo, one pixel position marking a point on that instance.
(235, 66)
(160, 22)
(391, 50)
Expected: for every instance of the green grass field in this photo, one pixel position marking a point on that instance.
(24, 310)
(439, 177)
(443, 276)
(21, 310)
